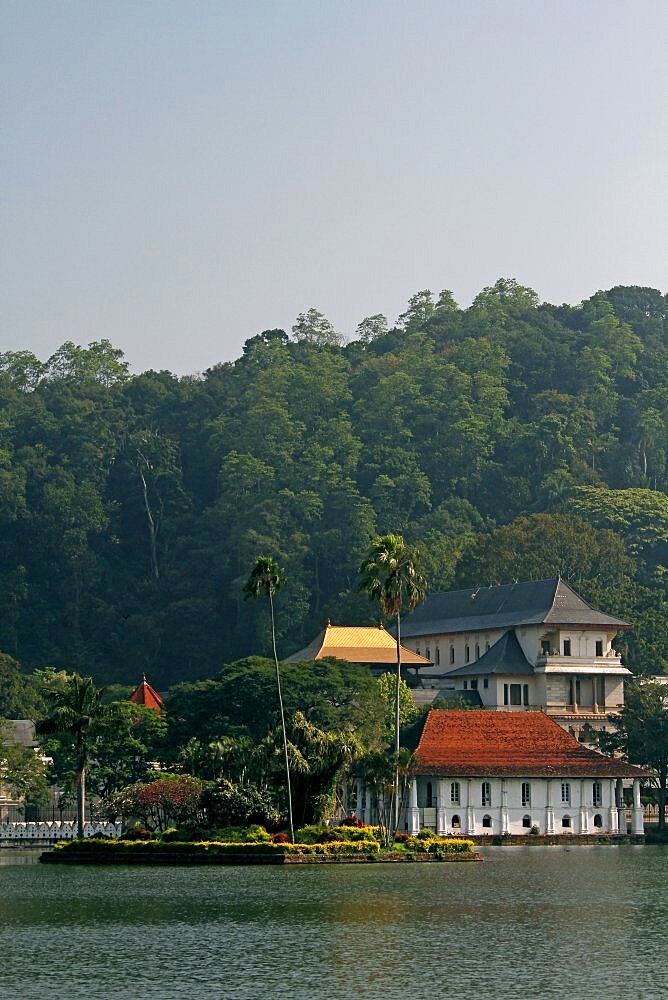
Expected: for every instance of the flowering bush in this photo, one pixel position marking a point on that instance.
(280, 838)
(353, 821)
(173, 799)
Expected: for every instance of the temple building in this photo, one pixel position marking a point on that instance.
(373, 646)
(483, 773)
(146, 695)
(521, 647)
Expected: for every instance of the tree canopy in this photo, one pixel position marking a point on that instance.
(132, 506)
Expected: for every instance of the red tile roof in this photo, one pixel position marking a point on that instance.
(520, 744)
(145, 694)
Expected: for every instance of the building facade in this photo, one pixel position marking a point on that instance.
(523, 647)
(479, 773)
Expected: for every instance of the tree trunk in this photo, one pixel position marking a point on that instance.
(397, 716)
(81, 802)
(152, 529)
(280, 703)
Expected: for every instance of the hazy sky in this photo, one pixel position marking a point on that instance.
(178, 176)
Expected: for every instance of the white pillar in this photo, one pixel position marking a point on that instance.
(359, 787)
(441, 814)
(638, 821)
(621, 809)
(470, 814)
(505, 820)
(549, 812)
(413, 811)
(584, 815)
(612, 823)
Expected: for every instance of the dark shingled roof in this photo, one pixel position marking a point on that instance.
(534, 602)
(506, 656)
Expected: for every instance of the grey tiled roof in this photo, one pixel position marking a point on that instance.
(506, 656)
(533, 602)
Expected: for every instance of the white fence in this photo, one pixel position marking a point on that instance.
(55, 830)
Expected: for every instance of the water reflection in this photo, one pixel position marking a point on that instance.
(532, 923)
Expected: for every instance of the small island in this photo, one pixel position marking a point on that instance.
(255, 846)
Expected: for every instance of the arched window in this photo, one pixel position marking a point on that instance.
(477, 650)
(456, 823)
(427, 653)
(566, 822)
(430, 795)
(452, 654)
(467, 653)
(438, 656)
(487, 821)
(598, 821)
(526, 821)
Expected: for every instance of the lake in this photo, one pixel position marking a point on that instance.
(575, 923)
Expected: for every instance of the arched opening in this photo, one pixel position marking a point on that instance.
(487, 822)
(430, 795)
(456, 823)
(598, 821)
(526, 821)
(566, 822)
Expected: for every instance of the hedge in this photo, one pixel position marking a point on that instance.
(216, 847)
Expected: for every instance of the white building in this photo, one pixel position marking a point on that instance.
(522, 647)
(482, 773)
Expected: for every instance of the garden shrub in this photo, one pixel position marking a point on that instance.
(227, 804)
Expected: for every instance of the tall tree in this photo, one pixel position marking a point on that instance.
(390, 575)
(641, 734)
(265, 579)
(74, 711)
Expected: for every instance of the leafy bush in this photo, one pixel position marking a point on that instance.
(280, 838)
(353, 821)
(138, 833)
(452, 845)
(227, 804)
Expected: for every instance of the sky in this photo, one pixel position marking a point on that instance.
(178, 176)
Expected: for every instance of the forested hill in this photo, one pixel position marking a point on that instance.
(513, 439)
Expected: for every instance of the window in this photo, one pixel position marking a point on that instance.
(430, 795)
(526, 822)
(597, 793)
(526, 694)
(598, 821)
(452, 654)
(566, 822)
(515, 694)
(545, 647)
(565, 793)
(526, 793)
(505, 695)
(486, 790)
(474, 683)
(456, 823)
(485, 682)
(438, 656)
(487, 646)
(427, 653)
(467, 653)
(417, 650)
(567, 647)
(454, 794)
(487, 822)
(466, 685)
(599, 647)
(477, 650)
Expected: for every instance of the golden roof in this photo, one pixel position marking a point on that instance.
(358, 644)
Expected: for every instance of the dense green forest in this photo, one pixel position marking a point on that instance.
(512, 439)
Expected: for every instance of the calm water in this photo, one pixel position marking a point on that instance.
(530, 923)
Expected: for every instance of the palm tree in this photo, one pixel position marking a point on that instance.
(265, 579)
(389, 575)
(75, 710)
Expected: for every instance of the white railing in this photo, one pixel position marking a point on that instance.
(55, 830)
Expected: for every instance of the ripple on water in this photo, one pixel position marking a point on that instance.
(579, 923)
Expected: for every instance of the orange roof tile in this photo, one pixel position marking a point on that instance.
(358, 644)
(145, 694)
(508, 743)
